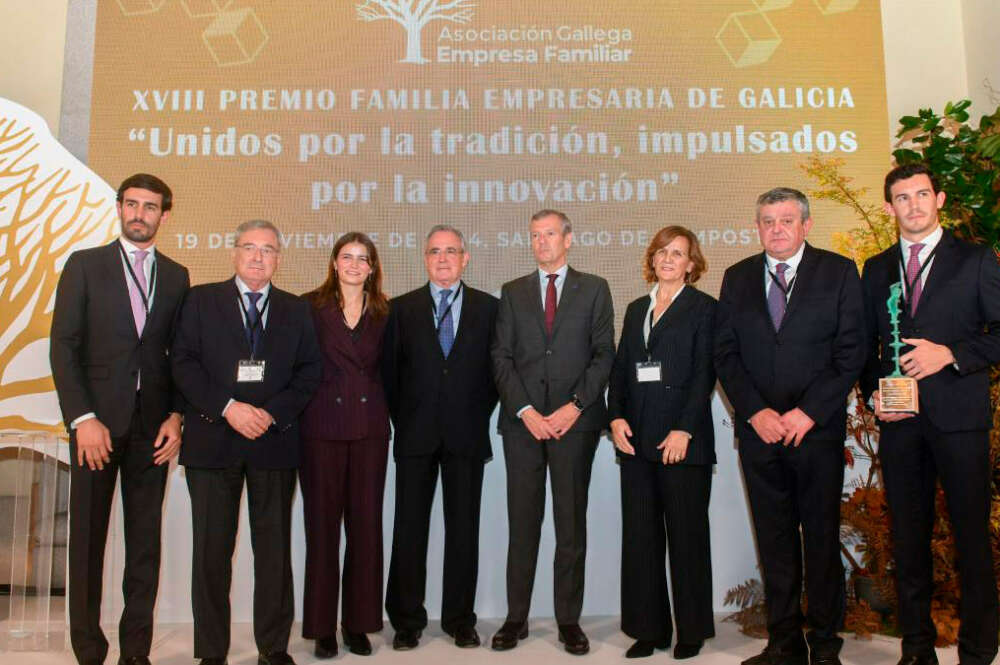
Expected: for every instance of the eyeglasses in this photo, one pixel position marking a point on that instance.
(249, 249)
(447, 251)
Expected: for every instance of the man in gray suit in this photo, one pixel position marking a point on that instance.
(552, 354)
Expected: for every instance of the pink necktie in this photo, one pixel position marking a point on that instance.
(138, 309)
(912, 270)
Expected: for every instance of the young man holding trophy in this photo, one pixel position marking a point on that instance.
(933, 315)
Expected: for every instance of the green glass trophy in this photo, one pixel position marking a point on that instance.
(897, 391)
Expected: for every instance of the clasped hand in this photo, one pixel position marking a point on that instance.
(552, 426)
(789, 428)
(248, 420)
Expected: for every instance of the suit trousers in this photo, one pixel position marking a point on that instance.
(660, 503)
(792, 488)
(343, 481)
(215, 507)
(568, 461)
(914, 455)
(91, 495)
(461, 487)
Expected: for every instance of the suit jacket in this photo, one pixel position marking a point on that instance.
(437, 401)
(959, 307)
(210, 342)
(681, 341)
(95, 351)
(533, 368)
(811, 362)
(350, 403)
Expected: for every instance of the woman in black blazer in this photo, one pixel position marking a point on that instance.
(345, 449)
(659, 404)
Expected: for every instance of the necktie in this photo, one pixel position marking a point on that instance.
(550, 303)
(446, 330)
(912, 270)
(253, 315)
(134, 296)
(776, 300)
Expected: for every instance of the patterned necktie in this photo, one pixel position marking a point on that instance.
(776, 299)
(253, 315)
(912, 270)
(550, 303)
(446, 330)
(134, 296)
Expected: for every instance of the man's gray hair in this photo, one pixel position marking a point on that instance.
(779, 194)
(445, 228)
(252, 224)
(567, 226)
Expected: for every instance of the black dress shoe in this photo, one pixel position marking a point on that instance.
(824, 659)
(213, 661)
(919, 659)
(134, 660)
(326, 647)
(406, 640)
(573, 638)
(509, 634)
(644, 648)
(276, 658)
(684, 650)
(357, 643)
(466, 637)
(773, 656)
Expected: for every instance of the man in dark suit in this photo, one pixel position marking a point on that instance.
(439, 385)
(950, 321)
(789, 346)
(111, 328)
(552, 355)
(247, 360)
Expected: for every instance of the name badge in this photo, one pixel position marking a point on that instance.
(250, 371)
(647, 372)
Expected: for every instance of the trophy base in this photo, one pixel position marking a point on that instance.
(899, 394)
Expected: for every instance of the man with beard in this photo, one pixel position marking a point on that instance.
(111, 327)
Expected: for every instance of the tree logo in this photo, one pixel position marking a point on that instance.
(413, 15)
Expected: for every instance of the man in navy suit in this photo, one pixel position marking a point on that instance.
(440, 390)
(950, 321)
(111, 328)
(247, 360)
(790, 345)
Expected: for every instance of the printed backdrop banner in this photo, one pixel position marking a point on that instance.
(389, 116)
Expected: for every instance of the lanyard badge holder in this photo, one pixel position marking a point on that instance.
(650, 371)
(252, 370)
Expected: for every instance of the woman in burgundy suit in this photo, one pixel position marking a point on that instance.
(345, 449)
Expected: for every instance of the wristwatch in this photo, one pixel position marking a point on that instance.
(576, 402)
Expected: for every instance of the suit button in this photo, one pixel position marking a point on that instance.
(444, 371)
(364, 399)
(338, 400)
(916, 331)
(548, 352)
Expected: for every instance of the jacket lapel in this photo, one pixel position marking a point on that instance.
(569, 291)
(228, 303)
(534, 298)
(943, 267)
(118, 288)
(675, 312)
(428, 324)
(803, 280)
(759, 286)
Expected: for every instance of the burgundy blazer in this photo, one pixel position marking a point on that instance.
(350, 403)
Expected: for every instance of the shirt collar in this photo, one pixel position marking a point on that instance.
(246, 289)
(543, 275)
(436, 290)
(656, 290)
(792, 261)
(131, 249)
(930, 242)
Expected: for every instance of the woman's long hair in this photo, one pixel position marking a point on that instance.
(378, 303)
